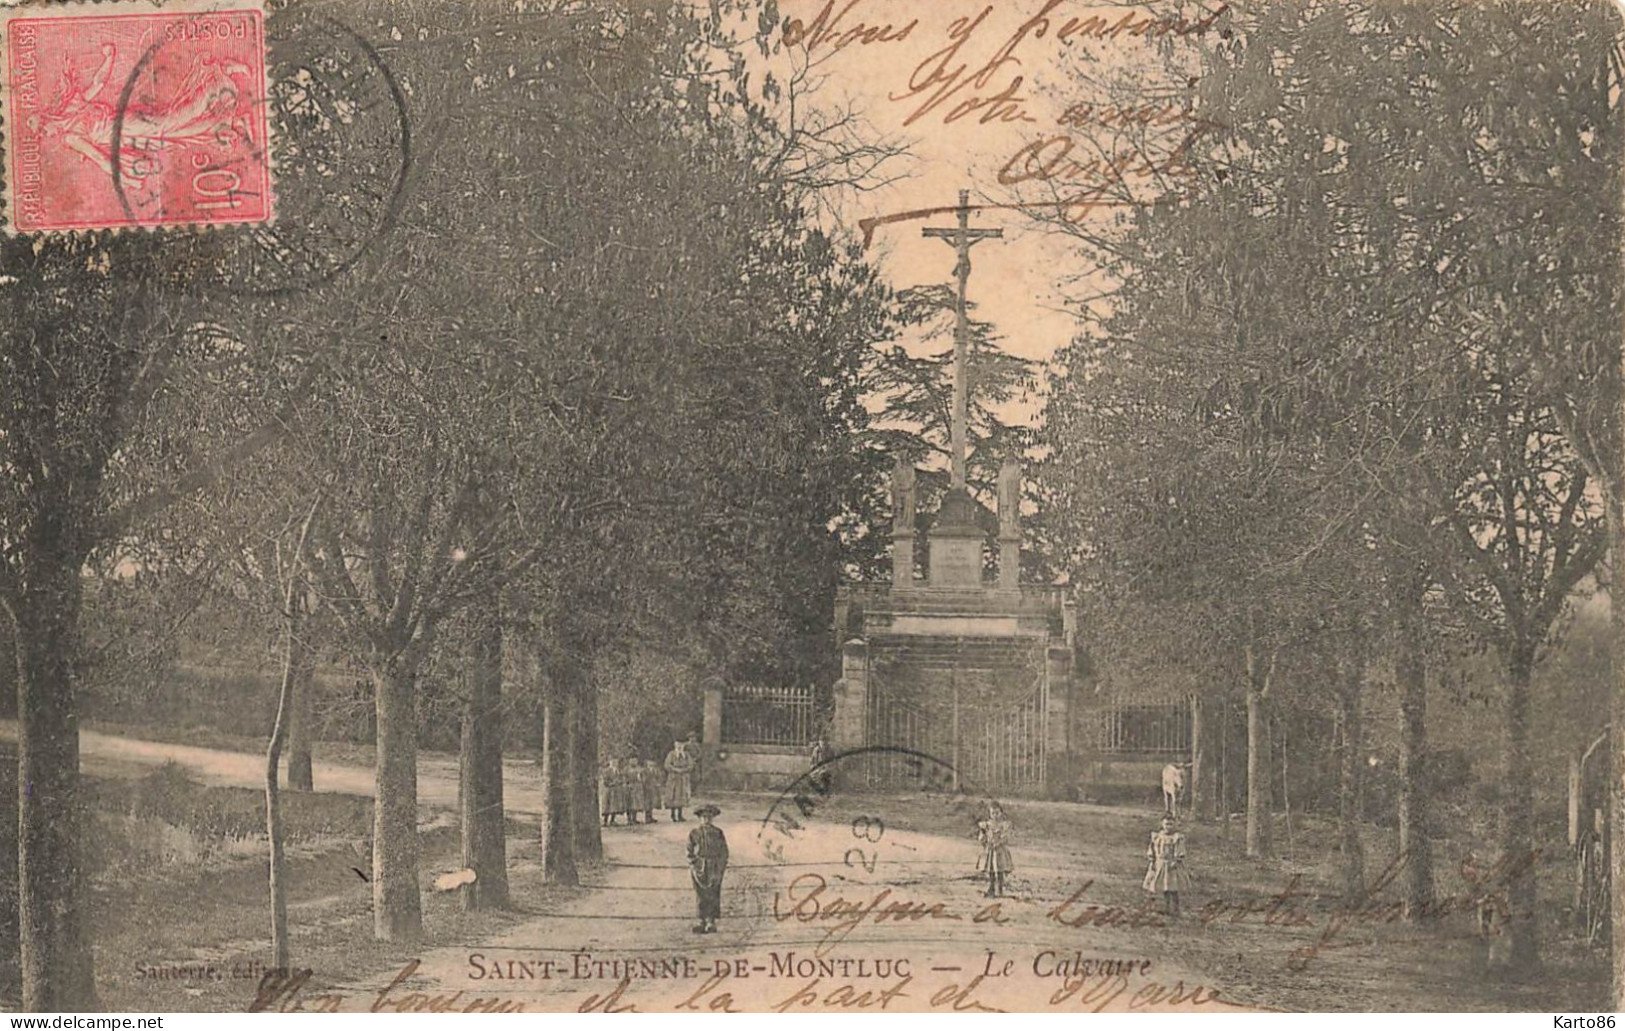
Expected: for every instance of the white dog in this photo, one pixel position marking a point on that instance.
(1173, 780)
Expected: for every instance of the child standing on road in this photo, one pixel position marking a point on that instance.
(649, 780)
(816, 756)
(994, 833)
(679, 781)
(707, 861)
(1165, 866)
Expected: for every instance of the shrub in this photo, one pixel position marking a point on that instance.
(1448, 772)
(1381, 792)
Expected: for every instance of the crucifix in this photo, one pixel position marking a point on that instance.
(962, 238)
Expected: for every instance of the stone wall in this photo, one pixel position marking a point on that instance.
(755, 768)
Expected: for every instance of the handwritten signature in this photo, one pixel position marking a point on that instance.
(288, 991)
(804, 900)
(949, 84)
(827, 30)
(992, 89)
(716, 995)
(1487, 892)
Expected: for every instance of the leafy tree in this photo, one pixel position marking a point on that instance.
(471, 415)
(1376, 260)
(95, 331)
(914, 394)
(525, 445)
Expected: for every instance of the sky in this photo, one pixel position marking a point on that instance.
(1006, 77)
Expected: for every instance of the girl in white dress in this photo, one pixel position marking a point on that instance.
(994, 833)
(1165, 866)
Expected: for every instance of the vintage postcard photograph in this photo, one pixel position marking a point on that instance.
(812, 506)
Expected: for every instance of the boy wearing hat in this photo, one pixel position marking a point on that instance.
(707, 860)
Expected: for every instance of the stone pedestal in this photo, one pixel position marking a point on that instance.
(1009, 562)
(956, 665)
(956, 543)
(902, 561)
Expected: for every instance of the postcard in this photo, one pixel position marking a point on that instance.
(811, 506)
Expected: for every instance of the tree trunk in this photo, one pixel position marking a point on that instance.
(485, 843)
(558, 828)
(1258, 759)
(8, 671)
(397, 909)
(1616, 744)
(1286, 785)
(1350, 774)
(1576, 791)
(1223, 791)
(53, 884)
(1199, 793)
(589, 841)
(300, 775)
(1518, 803)
(280, 732)
(1415, 822)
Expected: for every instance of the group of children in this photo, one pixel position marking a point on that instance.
(1165, 873)
(632, 786)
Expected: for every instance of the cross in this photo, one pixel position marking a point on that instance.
(962, 238)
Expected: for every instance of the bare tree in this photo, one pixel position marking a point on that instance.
(93, 335)
(293, 601)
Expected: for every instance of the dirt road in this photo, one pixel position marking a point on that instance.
(437, 774)
(810, 928)
(825, 911)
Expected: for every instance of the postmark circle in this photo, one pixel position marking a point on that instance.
(852, 772)
(340, 149)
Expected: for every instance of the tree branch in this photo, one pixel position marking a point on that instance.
(122, 520)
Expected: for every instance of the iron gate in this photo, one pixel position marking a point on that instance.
(997, 750)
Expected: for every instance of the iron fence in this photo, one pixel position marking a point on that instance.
(756, 715)
(1163, 729)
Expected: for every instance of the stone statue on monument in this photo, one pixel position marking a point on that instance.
(1010, 497)
(903, 497)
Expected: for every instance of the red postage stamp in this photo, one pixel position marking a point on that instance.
(131, 114)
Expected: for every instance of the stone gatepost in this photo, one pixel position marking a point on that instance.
(711, 715)
(1060, 774)
(851, 697)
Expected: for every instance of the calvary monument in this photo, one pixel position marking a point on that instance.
(971, 669)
